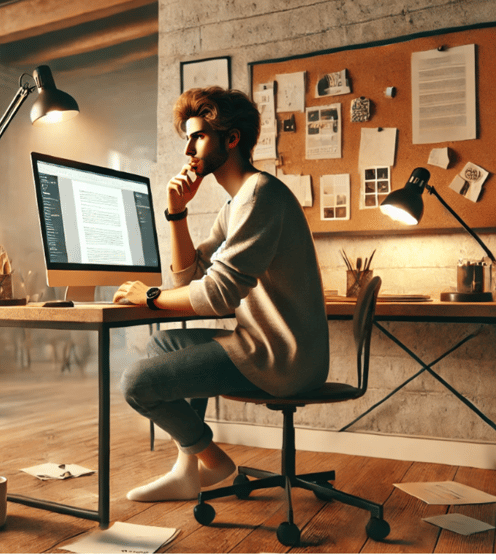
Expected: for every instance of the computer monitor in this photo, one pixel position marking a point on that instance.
(97, 226)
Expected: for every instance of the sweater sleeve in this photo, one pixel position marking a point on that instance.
(204, 252)
(253, 231)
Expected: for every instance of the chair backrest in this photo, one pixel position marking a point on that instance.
(363, 319)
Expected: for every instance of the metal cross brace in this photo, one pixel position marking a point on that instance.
(427, 367)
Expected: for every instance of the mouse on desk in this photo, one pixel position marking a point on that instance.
(59, 303)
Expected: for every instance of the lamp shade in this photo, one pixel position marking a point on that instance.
(52, 105)
(406, 205)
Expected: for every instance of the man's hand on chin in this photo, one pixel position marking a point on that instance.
(131, 293)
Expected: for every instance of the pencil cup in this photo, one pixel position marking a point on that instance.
(3, 501)
(356, 280)
(5, 286)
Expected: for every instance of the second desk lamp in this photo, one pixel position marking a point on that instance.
(406, 205)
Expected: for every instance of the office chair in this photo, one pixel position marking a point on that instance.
(288, 533)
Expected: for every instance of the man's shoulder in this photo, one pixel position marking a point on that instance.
(263, 188)
(270, 184)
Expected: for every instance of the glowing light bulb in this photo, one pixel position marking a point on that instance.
(398, 214)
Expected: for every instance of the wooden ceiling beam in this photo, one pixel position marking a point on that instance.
(30, 18)
(117, 63)
(91, 42)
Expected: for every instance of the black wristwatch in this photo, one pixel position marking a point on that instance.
(151, 295)
(175, 217)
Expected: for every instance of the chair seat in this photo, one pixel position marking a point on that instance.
(329, 392)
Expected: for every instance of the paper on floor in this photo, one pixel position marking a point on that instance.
(445, 493)
(57, 471)
(458, 523)
(123, 538)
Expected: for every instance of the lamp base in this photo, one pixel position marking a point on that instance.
(468, 297)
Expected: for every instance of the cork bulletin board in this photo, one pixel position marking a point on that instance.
(371, 69)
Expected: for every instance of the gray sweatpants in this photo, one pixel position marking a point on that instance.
(182, 364)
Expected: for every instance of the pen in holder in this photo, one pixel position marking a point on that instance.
(359, 276)
(356, 280)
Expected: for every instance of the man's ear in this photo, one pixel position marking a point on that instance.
(233, 138)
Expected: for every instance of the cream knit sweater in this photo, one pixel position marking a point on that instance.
(259, 262)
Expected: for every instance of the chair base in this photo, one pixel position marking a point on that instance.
(288, 533)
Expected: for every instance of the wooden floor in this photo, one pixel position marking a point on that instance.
(47, 418)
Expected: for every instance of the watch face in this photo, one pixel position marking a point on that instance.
(153, 293)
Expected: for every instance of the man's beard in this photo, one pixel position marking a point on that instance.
(211, 164)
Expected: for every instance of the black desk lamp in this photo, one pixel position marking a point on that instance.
(52, 105)
(406, 205)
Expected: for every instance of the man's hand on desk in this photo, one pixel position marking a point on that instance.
(132, 293)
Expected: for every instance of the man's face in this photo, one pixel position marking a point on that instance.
(205, 148)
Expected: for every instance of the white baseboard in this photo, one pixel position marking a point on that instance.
(461, 453)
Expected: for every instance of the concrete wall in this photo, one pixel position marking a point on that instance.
(265, 29)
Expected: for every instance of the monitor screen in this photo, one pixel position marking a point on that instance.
(97, 224)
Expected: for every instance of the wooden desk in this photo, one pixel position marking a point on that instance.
(429, 311)
(91, 318)
(103, 318)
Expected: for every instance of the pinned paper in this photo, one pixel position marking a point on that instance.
(360, 109)
(123, 538)
(458, 523)
(300, 185)
(291, 92)
(334, 83)
(54, 471)
(439, 157)
(469, 182)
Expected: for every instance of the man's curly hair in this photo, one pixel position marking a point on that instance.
(224, 110)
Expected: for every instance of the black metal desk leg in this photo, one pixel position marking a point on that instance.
(104, 426)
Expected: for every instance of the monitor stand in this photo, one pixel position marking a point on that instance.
(80, 293)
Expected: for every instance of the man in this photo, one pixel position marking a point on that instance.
(259, 263)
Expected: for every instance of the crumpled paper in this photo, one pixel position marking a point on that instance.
(54, 471)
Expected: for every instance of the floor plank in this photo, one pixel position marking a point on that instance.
(51, 418)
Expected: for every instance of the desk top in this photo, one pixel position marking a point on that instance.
(85, 316)
(92, 316)
(421, 311)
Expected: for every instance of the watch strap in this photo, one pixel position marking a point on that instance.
(151, 304)
(175, 217)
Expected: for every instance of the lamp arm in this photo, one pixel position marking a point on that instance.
(469, 230)
(15, 105)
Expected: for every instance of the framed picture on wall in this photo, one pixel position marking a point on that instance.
(206, 72)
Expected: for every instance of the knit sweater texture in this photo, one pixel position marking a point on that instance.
(259, 262)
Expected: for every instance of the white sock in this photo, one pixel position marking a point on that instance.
(209, 477)
(181, 483)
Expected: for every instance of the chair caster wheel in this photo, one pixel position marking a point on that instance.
(241, 493)
(377, 529)
(288, 534)
(204, 513)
